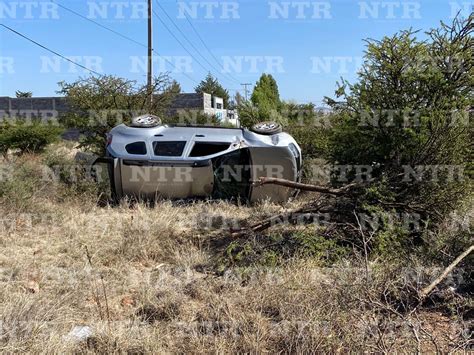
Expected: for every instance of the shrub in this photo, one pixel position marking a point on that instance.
(73, 179)
(25, 137)
(249, 114)
(27, 181)
(99, 104)
(276, 248)
(402, 118)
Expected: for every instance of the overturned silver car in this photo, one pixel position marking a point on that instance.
(148, 160)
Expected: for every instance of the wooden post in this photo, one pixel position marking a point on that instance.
(150, 59)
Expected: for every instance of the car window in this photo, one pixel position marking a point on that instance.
(136, 148)
(169, 149)
(202, 149)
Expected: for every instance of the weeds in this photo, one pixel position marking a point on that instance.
(173, 282)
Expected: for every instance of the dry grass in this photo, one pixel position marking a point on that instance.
(149, 286)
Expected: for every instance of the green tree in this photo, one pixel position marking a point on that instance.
(298, 114)
(19, 93)
(266, 97)
(174, 87)
(248, 114)
(309, 127)
(409, 112)
(100, 103)
(211, 85)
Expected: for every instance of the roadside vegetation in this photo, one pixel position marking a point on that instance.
(25, 137)
(324, 273)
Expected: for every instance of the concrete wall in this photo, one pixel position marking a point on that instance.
(46, 108)
(188, 101)
(32, 107)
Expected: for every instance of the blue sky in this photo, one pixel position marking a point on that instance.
(306, 45)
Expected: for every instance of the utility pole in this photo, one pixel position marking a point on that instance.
(246, 90)
(150, 59)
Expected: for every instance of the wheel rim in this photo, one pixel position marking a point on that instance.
(266, 126)
(145, 120)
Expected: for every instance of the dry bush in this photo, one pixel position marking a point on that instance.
(145, 280)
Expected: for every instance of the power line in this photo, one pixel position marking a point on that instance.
(99, 24)
(135, 41)
(122, 36)
(180, 42)
(149, 74)
(190, 42)
(50, 50)
(205, 45)
(112, 31)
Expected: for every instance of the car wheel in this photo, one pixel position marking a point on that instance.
(267, 128)
(145, 121)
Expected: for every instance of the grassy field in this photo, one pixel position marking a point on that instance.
(170, 278)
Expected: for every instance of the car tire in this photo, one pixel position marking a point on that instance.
(145, 121)
(267, 128)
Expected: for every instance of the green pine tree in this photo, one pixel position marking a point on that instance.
(266, 97)
(211, 85)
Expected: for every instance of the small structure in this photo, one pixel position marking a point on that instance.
(188, 103)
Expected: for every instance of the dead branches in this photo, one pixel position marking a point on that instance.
(305, 187)
(427, 290)
(306, 214)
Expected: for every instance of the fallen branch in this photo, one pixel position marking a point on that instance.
(305, 214)
(427, 290)
(306, 187)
